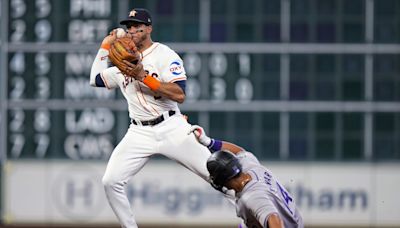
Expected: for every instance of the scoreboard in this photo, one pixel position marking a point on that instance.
(286, 80)
(60, 21)
(45, 79)
(50, 110)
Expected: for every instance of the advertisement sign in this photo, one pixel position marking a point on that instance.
(166, 193)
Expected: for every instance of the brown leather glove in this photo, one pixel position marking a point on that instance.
(124, 55)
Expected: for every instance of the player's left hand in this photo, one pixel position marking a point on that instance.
(200, 135)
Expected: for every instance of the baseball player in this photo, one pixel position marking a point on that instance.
(261, 201)
(157, 125)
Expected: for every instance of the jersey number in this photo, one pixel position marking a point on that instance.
(286, 197)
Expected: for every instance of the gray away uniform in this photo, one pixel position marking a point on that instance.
(263, 196)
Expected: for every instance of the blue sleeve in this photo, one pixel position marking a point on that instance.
(182, 84)
(99, 81)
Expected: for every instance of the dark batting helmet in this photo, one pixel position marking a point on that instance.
(223, 166)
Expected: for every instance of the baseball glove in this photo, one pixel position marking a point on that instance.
(125, 49)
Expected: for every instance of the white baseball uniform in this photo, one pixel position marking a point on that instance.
(169, 137)
(263, 196)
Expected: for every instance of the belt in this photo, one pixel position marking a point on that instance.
(153, 121)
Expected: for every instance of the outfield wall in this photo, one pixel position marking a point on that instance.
(328, 194)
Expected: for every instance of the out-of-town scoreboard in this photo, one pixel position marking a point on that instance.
(288, 80)
(49, 110)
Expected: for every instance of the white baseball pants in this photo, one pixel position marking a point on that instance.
(169, 138)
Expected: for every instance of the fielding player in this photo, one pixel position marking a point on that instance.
(261, 201)
(157, 125)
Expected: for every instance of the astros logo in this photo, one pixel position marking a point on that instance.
(176, 68)
(132, 13)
